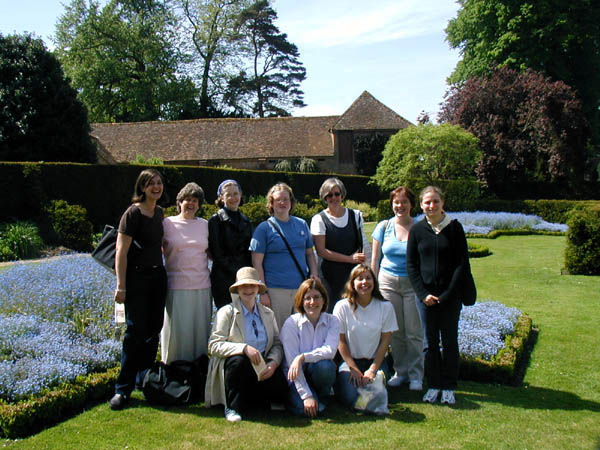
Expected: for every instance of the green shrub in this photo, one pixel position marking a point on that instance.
(256, 212)
(305, 212)
(369, 212)
(583, 241)
(71, 225)
(384, 210)
(478, 251)
(19, 240)
(207, 210)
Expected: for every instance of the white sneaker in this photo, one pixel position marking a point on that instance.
(448, 397)
(415, 385)
(431, 395)
(232, 415)
(397, 380)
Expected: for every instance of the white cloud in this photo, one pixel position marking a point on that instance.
(336, 22)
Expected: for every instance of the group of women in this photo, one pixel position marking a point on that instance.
(261, 352)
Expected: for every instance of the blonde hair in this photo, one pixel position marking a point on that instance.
(276, 188)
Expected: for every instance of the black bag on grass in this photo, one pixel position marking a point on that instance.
(178, 383)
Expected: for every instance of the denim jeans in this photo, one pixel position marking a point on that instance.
(320, 377)
(345, 391)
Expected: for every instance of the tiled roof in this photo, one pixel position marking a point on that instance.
(368, 113)
(218, 139)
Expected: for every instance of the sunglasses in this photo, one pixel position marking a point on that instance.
(332, 194)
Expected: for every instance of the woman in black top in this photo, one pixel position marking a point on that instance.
(229, 234)
(437, 261)
(141, 282)
(339, 238)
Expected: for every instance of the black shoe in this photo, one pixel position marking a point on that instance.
(118, 402)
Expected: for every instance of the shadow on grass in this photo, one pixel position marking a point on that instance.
(527, 397)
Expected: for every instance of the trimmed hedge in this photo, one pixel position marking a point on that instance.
(508, 366)
(478, 251)
(30, 416)
(582, 254)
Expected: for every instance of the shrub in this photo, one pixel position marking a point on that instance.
(369, 213)
(478, 251)
(583, 241)
(71, 225)
(19, 240)
(256, 212)
(305, 212)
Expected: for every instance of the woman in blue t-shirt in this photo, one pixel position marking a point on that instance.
(282, 270)
(389, 264)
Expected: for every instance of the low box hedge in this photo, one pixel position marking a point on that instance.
(30, 416)
(508, 366)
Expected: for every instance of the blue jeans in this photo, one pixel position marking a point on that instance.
(320, 377)
(345, 391)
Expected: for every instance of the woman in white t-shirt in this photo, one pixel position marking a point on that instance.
(366, 326)
(339, 238)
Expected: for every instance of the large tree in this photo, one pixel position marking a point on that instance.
(123, 60)
(531, 129)
(555, 37)
(40, 116)
(269, 85)
(427, 153)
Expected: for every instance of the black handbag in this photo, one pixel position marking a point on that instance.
(105, 251)
(469, 291)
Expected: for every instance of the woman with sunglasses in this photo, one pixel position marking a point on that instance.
(339, 238)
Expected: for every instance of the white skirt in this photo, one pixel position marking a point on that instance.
(186, 327)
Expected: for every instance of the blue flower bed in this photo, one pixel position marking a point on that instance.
(56, 323)
(482, 222)
(482, 328)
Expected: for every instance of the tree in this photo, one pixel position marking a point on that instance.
(270, 86)
(529, 128)
(211, 24)
(40, 116)
(304, 165)
(427, 153)
(123, 61)
(559, 39)
(368, 151)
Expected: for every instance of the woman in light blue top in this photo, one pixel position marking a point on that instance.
(389, 263)
(310, 339)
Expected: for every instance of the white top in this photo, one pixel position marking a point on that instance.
(317, 228)
(363, 326)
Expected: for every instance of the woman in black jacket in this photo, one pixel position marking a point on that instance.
(229, 234)
(437, 262)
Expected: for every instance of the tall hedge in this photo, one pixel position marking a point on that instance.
(105, 190)
(583, 241)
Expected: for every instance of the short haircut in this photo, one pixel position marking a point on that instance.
(188, 191)
(276, 188)
(329, 184)
(406, 191)
(306, 286)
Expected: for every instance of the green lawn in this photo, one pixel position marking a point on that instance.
(557, 407)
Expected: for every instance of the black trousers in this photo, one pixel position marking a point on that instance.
(441, 367)
(144, 312)
(243, 391)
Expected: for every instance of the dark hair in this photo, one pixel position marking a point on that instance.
(406, 191)
(306, 286)
(276, 188)
(350, 292)
(188, 191)
(142, 182)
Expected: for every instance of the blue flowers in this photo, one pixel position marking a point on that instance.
(55, 324)
(482, 222)
(482, 328)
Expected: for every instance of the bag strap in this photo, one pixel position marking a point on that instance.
(276, 226)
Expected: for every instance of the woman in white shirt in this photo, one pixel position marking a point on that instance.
(310, 339)
(366, 326)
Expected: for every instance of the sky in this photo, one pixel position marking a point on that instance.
(395, 49)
